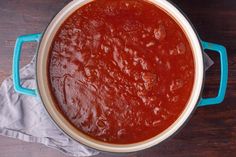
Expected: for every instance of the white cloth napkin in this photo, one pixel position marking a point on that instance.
(24, 117)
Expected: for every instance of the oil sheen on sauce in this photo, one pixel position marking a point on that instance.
(121, 71)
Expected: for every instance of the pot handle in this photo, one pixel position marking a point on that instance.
(224, 74)
(16, 63)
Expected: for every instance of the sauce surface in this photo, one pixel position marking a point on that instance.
(121, 71)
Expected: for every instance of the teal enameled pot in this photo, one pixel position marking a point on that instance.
(43, 91)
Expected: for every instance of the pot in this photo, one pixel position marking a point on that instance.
(43, 92)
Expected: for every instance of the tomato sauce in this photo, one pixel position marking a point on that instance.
(121, 71)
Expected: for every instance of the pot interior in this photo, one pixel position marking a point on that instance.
(68, 128)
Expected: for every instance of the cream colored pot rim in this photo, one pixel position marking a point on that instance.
(59, 119)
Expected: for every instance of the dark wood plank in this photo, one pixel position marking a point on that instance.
(210, 132)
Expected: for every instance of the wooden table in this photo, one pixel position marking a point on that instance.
(210, 132)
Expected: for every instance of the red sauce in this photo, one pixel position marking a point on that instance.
(121, 71)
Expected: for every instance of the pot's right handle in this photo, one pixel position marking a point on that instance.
(224, 73)
(16, 63)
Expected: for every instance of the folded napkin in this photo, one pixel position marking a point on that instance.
(24, 117)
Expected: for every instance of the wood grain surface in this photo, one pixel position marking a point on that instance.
(210, 132)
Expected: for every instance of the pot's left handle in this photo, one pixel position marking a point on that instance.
(16, 63)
